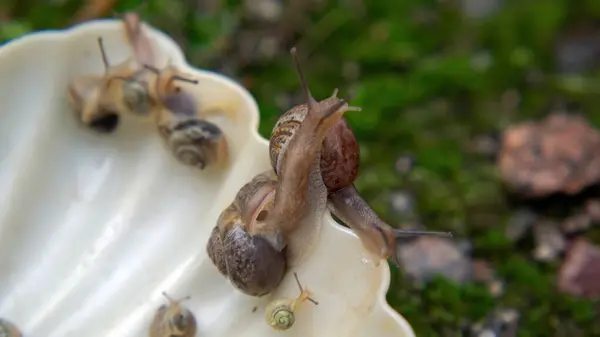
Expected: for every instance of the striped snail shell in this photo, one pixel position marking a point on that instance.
(280, 315)
(340, 151)
(195, 142)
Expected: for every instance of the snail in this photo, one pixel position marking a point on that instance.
(8, 329)
(273, 219)
(173, 320)
(100, 100)
(281, 313)
(339, 169)
(193, 141)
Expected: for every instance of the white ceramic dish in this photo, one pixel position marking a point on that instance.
(94, 227)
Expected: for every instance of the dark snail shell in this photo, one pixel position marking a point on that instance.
(195, 142)
(250, 262)
(340, 151)
(254, 262)
(255, 266)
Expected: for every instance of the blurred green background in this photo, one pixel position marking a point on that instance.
(438, 81)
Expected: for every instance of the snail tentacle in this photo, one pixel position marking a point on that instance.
(377, 236)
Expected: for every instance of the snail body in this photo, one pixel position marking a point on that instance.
(8, 329)
(273, 218)
(339, 165)
(173, 320)
(99, 101)
(280, 314)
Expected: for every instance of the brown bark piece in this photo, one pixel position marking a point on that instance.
(580, 273)
(559, 154)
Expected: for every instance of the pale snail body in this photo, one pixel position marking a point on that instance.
(173, 320)
(99, 101)
(8, 329)
(280, 314)
(273, 218)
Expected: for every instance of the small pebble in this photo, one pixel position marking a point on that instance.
(486, 145)
(560, 154)
(496, 288)
(264, 10)
(578, 52)
(402, 202)
(500, 323)
(482, 271)
(550, 242)
(405, 164)
(576, 223)
(520, 223)
(426, 257)
(579, 274)
(592, 208)
(479, 9)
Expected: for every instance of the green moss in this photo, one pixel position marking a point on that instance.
(427, 87)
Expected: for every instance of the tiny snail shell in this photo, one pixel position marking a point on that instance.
(280, 314)
(195, 142)
(8, 329)
(173, 320)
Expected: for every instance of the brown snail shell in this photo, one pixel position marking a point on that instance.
(339, 155)
(251, 262)
(173, 319)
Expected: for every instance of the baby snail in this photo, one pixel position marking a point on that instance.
(339, 164)
(173, 320)
(273, 219)
(193, 141)
(100, 100)
(7, 329)
(280, 314)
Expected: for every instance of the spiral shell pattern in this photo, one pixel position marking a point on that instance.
(135, 98)
(340, 152)
(281, 317)
(194, 142)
